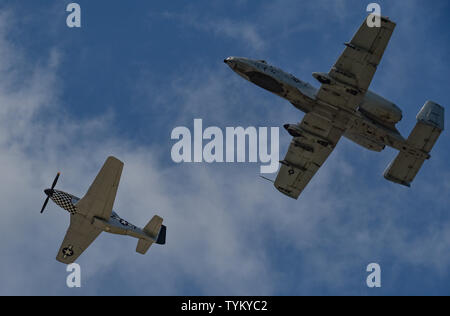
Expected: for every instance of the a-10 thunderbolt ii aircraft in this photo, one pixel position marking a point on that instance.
(94, 214)
(344, 106)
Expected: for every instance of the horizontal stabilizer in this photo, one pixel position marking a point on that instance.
(430, 124)
(143, 246)
(403, 169)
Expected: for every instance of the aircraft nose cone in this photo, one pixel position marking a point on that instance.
(228, 60)
(49, 192)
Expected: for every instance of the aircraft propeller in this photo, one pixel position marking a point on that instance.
(48, 195)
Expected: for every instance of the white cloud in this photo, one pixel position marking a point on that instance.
(38, 139)
(246, 33)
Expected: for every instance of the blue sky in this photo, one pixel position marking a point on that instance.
(133, 72)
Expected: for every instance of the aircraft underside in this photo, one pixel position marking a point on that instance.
(372, 125)
(344, 106)
(115, 224)
(93, 214)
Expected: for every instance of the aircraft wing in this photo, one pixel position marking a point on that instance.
(316, 140)
(79, 237)
(350, 77)
(99, 199)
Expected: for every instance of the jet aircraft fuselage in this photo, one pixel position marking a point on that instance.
(371, 126)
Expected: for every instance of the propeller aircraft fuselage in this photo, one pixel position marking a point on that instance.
(114, 225)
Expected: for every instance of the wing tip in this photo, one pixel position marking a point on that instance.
(114, 159)
(289, 193)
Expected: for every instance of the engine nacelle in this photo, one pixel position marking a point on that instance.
(380, 109)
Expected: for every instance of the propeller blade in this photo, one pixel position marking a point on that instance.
(51, 190)
(56, 180)
(45, 204)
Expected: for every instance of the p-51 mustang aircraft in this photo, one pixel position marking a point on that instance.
(94, 214)
(343, 106)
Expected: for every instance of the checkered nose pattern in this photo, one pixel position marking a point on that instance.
(63, 200)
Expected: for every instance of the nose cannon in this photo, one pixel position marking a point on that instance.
(228, 60)
(231, 62)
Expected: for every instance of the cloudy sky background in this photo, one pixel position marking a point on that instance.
(119, 85)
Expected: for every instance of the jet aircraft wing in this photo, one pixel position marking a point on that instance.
(348, 81)
(99, 199)
(79, 237)
(315, 140)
